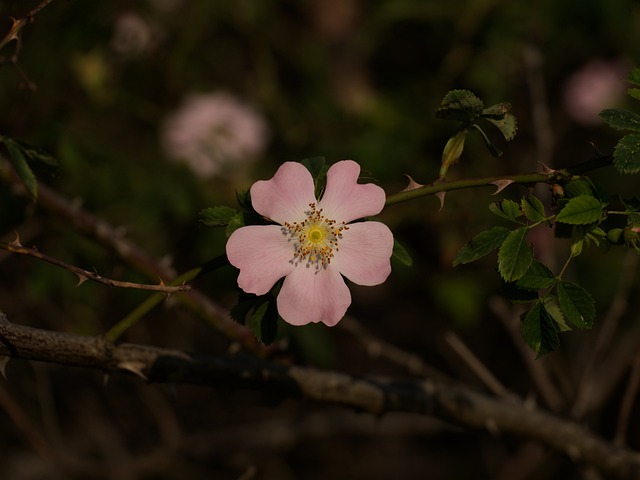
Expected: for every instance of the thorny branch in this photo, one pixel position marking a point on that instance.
(83, 275)
(456, 404)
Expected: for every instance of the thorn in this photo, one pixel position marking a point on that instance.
(502, 184)
(441, 196)
(412, 184)
(16, 242)
(4, 360)
(81, 279)
(546, 169)
(597, 150)
(135, 368)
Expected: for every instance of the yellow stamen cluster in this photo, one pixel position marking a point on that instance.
(315, 238)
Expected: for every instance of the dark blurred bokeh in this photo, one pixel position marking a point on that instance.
(157, 109)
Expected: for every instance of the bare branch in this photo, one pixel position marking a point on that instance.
(17, 247)
(377, 395)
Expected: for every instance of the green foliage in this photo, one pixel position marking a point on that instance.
(581, 210)
(507, 209)
(537, 277)
(219, 216)
(481, 245)
(515, 255)
(24, 157)
(466, 108)
(401, 254)
(626, 156)
(539, 330)
(533, 208)
(264, 317)
(576, 304)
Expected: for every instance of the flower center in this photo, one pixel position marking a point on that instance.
(315, 238)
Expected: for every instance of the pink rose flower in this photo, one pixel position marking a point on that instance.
(314, 244)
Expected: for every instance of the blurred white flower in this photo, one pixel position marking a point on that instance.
(132, 35)
(215, 134)
(596, 86)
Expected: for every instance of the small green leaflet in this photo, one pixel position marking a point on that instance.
(217, 216)
(515, 255)
(264, 322)
(626, 156)
(539, 330)
(22, 168)
(401, 254)
(460, 105)
(581, 210)
(537, 277)
(577, 305)
(506, 209)
(481, 245)
(621, 119)
(533, 208)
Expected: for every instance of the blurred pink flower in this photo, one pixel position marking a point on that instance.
(313, 244)
(215, 134)
(133, 35)
(596, 86)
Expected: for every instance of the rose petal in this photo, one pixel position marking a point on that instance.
(364, 254)
(286, 196)
(263, 255)
(344, 199)
(310, 295)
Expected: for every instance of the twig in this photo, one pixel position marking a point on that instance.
(456, 404)
(83, 275)
(18, 25)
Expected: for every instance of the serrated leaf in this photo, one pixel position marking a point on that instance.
(460, 105)
(577, 305)
(506, 209)
(580, 210)
(497, 111)
(579, 186)
(626, 155)
(236, 222)
(537, 277)
(515, 255)
(481, 245)
(621, 119)
(401, 254)
(19, 162)
(533, 208)
(514, 294)
(634, 92)
(507, 125)
(539, 330)
(217, 216)
(634, 76)
(550, 303)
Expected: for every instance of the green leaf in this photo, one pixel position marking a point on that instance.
(264, 322)
(497, 111)
(217, 216)
(579, 186)
(19, 162)
(621, 119)
(452, 151)
(507, 125)
(460, 105)
(577, 305)
(634, 76)
(533, 208)
(552, 307)
(515, 255)
(515, 294)
(626, 156)
(401, 254)
(581, 210)
(235, 223)
(481, 245)
(506, 209)
(537, 277)
(539, 330)
(634, 92)
(315, 165)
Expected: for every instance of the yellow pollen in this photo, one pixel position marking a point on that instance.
(314, 239)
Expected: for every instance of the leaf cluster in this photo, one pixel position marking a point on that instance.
(466, 108)
(556, 305)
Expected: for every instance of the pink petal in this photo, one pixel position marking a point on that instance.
(344, 199)
(263, 255)
(364, 254)
(286, 196)
(310, 295)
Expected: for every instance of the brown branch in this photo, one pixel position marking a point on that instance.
(18, 25)
(456, 404)
(83, 275)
